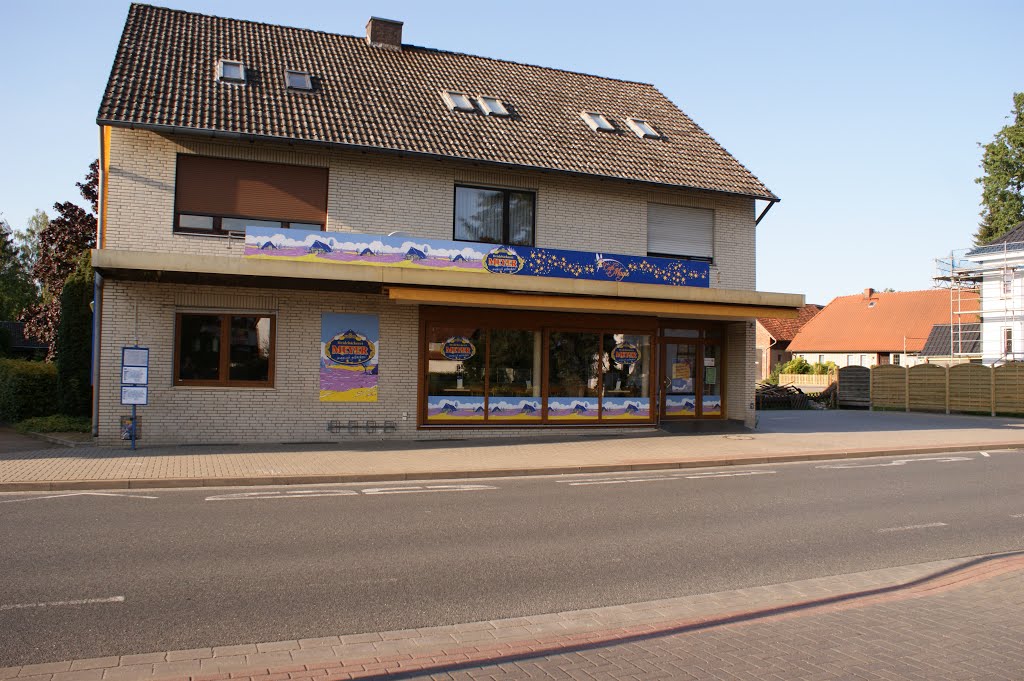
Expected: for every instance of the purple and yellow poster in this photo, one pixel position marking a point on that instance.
(349, 352)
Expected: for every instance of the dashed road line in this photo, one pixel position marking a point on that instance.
(79, 494)
(905, 528)
(674, 476)
(368, 491)
(52, 604)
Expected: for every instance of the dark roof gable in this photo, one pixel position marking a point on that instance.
(164, 78)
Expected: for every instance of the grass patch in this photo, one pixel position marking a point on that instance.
(58, 423)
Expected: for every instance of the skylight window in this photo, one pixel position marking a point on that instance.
(642, 128)
(597, 121)
(232, 71)
(457, 101)
(492, 106)
(297, 80)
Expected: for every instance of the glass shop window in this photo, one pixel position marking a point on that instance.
(225, 349)
(573, 360)
(456, 365)
(514, 387)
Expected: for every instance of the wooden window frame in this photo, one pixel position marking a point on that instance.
(545, 323)
(224, 367)
(505, 225)
(218, 221)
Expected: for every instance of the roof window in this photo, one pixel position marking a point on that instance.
(597, 121)
(297, 80)
(457, 101)
(492, 106)
(231, 71)
(642, 128)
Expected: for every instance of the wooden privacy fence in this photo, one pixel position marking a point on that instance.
(966, 388)
(807, 380)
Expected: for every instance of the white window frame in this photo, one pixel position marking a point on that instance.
(492, 106)
(449, 97)
(597, 122)
(228, 79)
(642, 128)
(1007, 340)
(308, 81)
(894, 358)
(1007, 284)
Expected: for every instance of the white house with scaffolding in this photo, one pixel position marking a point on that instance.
(996, 272)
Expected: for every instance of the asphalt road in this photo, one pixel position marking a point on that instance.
(170, 569)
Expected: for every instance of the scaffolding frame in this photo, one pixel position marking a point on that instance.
(964, 277)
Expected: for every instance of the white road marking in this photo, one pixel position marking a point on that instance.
(985, 454)
(52, 604)
(673, 476)
(425, 489)
(284, 494)
(1017, 515)
(78, 494)
(912, 527)
(325, 492)
(897, 462)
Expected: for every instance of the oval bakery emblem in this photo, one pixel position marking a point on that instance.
(350, 348)
(503, 260)
(625, 353)
(458, 348)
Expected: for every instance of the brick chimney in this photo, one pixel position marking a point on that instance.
(868, 292)
(384, 33)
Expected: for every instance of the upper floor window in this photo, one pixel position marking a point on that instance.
(224, 196)
(642, 128)
(1007, 284)
(492, 106)
(597, 121)
(494, 216)
(231, 71)
(680, 232)
(297, 80)
(458, 101)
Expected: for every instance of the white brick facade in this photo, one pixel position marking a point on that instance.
(369, 193)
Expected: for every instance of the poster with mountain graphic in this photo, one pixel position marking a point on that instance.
(572, 408)
(349, 355)
(452, 408)
(626, 408)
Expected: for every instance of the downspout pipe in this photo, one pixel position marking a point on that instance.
(97, 314)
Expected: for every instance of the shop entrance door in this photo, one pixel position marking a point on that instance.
(680, 379)
(691, 374)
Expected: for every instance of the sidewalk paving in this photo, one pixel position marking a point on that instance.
(953, 619)
(781, 436)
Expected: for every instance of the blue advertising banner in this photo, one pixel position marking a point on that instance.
(435, 254)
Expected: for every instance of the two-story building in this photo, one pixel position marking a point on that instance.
(323, 237)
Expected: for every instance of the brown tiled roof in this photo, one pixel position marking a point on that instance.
(163, 77)
(879, 322)
(786, 329)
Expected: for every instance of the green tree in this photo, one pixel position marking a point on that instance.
(28, 239)
(17, 291)
(1002, 182)
(73, 347)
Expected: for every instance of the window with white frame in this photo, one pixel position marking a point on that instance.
(458, 101)
(895, 358)
(492, 106)
(297, 80)
(1008, 341)
(642, 128)
(680, 232)
(231, 71)
(597, 121)
(1007, 284)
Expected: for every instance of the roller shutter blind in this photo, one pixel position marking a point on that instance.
(682, 231)
(251, 189)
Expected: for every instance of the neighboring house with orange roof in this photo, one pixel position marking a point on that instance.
(873, 328)
(773, 338)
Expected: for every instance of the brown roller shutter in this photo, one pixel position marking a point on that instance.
(250, 189)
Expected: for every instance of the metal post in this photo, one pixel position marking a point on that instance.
(134, 425)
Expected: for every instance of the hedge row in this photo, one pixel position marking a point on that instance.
(27, 389)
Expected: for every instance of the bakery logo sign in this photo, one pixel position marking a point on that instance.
(625, 353)
(350, 349)
(503, 260)
(458, 348)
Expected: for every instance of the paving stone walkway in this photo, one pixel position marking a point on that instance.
(781, 436)
(956, 619)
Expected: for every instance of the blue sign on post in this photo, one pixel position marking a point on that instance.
(134, 386)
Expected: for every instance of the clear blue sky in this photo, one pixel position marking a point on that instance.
(864, 117)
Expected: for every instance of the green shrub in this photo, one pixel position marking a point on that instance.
(27, 389)
(73, 343)
(56, 423)
(797, 365)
